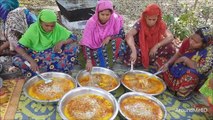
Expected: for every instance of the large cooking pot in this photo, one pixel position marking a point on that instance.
(136, 81)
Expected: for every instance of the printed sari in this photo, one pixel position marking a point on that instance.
(39, 44)
(107, 55)
(167, 50)
(48, 60)
(17, 22)
(182, 80)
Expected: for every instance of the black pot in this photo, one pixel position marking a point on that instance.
(75, 11)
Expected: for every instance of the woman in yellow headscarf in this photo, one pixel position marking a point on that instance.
(46, 45)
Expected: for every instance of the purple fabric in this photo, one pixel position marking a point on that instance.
(95, 32)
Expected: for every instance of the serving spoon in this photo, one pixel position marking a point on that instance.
(91, 78)
(155, 74)
(131, 69)
(38, 74)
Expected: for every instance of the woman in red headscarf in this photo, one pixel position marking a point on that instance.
(149, 38)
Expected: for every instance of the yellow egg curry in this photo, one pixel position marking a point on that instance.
(139, 83)
(100, 80)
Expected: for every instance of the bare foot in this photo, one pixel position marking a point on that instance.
(12, 69)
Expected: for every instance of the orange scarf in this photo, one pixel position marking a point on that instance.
(149, 37)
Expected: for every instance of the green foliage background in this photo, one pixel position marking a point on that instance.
(181, 16)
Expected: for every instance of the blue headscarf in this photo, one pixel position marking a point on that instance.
(205, 33)
(6, 6)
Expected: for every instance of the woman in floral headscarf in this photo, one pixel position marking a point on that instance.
(14, 22)
(46, 45)
(149, 38)
(104, 28)
(190, 66)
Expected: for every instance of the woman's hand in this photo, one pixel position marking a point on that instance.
(106, 41)
(182, 59)
(187, 62)
(57, 47)
(153, 51)
(89, 65)
(34, 66)
(133, 56)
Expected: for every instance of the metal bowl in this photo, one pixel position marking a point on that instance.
(86, 90)
(98, 70)
(163, 108)
(48, 75)
(142, 72)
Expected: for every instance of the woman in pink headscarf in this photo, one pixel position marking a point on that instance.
(103, 34)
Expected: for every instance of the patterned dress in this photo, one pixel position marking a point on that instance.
(165, 51)
(48, 60)
(182, 80)
(17, 22)
(107, 55)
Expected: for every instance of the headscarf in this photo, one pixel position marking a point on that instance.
(149, 37)
(6, 6)
(95, 32)
(37, 39)
(16, 22)
(206, 33)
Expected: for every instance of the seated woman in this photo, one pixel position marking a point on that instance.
(103, 36)
(46, 45)
(149, 38)
(190, 66)
(15, 21)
